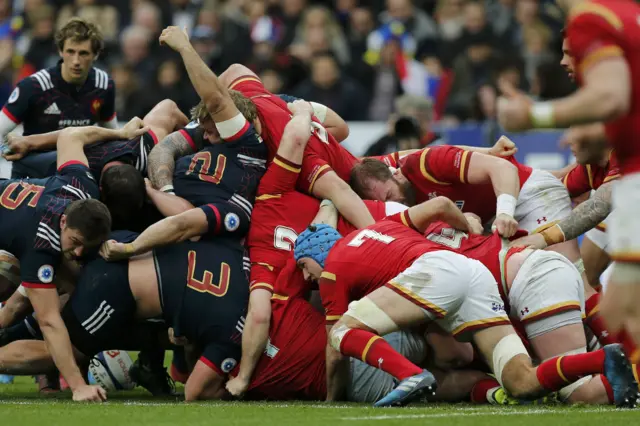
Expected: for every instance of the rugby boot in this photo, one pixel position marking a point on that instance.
(410, 389)
(619, 373)
(156, 381)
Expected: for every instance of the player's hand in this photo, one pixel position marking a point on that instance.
(505, 147)
(534, 241)
(112, 250)
(505, 225)
(237, 386)
(300, 107)
(176, 38)
(89, 393)
(134, 128)
(178, 341)
(513, 108)
(17, 147)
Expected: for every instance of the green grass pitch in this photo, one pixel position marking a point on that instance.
(21, 405)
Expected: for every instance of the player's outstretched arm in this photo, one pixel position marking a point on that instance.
(214, 94)
(254, 340)
(583, 218)
(19, 146)
(504, 147)
(434, 210)
(72, 140)
(329, 186)
(167, 203)
(174, 229)
(504, 178)
(297, 132)
(16, 306)
(47, 308)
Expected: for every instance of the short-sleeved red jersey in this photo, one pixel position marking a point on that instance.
(585, 177)
(601, 29)
(280, 213)
(442, 171)
(366, 260)
(323, 153)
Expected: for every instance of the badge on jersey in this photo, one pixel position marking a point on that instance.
(14, 95)
(228, 365)
(192, 125)
(95, 106)
(231, 222)
(45, 274)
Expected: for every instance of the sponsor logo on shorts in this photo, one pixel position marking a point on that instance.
(228, 365)
(231, 222)
(14, 95)
(45, 274)
(497, 307)
(541, 220)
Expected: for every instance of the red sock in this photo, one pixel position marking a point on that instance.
(376, 352)
(481, 389)
(558, 372)
(595, 322)
(607, 388)
(630, 348)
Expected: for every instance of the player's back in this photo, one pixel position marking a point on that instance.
(208, 308)
(18, 201)
(222, 172)
(601, 28)
(368, 258)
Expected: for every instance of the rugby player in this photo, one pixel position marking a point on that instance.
(48, 226)
(601, 36)
(73, 93)
(403, 279)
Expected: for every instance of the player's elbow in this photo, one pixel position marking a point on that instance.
(442, 205)
(185, 226)
(340, 132)
(613, 104)
(70, 134)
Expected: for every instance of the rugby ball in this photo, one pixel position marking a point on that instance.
(110, 370)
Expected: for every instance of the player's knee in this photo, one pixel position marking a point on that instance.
(512, 367)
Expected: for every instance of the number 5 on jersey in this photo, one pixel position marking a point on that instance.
(203, 161)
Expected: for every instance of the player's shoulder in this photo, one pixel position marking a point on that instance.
(599, 12)
(40, 81)
(100, 79)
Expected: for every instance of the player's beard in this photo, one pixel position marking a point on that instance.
(408, 192)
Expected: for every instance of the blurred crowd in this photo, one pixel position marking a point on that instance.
(356, 56)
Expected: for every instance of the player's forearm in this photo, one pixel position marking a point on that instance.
(337, 373)
(168, 204)
(588, 214)
(206, 83)
(256, 332)
(16, 305)
(437, 209)
(334, 124)
(352, 208)
(168, 231)
(88, 135)
(42, 142)
(327, 214)
(505, 179)
(58, 343)
(485, 151)
(162, 158)
(587, 105)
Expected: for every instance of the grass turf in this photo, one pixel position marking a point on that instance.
(21, 405)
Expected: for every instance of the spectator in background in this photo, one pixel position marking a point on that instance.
(128, 96)
(106, 17)
(420, 111)
(551, 82)
(169, 84)
(361, 25)
(272, 80)
(203, 39)
(134, 42)
(184, 13)
(450, 19)
(319, 18)
(537, 39)
(386, 84)
(148, 16)
(289, 13)
(328, 87)
(502, 18)
(418, 23)
(42, 52)
(344, 11)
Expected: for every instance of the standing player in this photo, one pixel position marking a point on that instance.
(73, 93)
(66, 221)
(602, 36)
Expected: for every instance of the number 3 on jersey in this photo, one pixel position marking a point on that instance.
(206, 284)
(203, 160)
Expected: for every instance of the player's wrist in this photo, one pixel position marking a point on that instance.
(553, 235)
(541, 115)
(506, 204)
(168, 189)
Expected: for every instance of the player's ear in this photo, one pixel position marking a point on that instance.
(63, 221)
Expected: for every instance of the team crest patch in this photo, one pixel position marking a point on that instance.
(231, 222)
(14, 95)
(228, 365)
(192, 125)
(45, 274)
(95, 106)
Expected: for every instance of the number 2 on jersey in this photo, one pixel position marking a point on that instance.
(206, 284)
(449, 237)
(204, 160)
